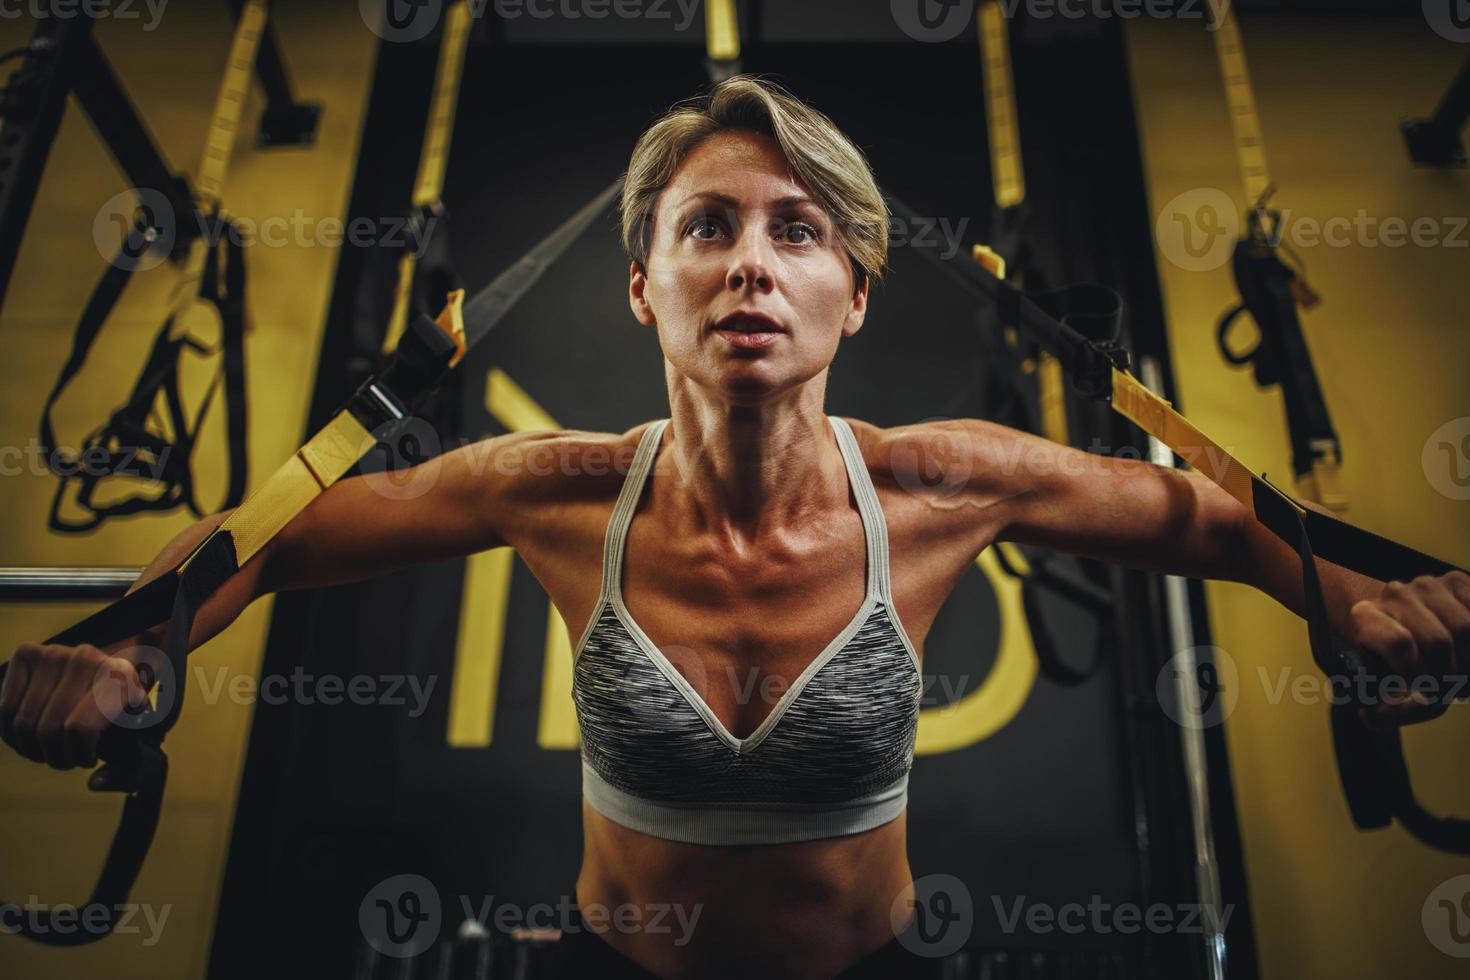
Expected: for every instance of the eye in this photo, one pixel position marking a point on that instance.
(702, 221)
(801, 228)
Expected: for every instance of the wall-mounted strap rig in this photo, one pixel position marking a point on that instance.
(374, 415)
(131, 443)
(63, 59)
(1271, 289)
(424, 266)
(150, 439)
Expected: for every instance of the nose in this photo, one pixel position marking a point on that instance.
(750, 269)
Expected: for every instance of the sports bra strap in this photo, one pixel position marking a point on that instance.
(622, 515)
(874, 526)
(869, 508)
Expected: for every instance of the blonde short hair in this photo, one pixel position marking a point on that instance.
(819, 154)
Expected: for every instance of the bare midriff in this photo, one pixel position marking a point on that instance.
(808, 909)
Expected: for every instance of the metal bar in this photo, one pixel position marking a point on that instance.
(40, 583)
(1181, 638)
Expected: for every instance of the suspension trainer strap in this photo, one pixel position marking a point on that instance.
(427, 215)
(130, 443)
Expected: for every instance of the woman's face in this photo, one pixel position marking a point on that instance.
(734, 232)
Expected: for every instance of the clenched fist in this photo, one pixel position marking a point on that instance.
(1421, 629)
(57, 701)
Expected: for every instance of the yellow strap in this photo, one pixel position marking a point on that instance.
(991, 260)
(433, 158)
(721, 30)
(435, 153)
(1006, 174)
(324, 459)
(1158, 418)
(327, 455)
(1249, 148)
(1051, 395)
(230, 103)
(219, 142)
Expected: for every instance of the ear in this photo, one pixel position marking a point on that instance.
(637, 283)
(857, 311)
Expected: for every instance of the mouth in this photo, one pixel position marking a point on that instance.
(747, 321)
(746, 330)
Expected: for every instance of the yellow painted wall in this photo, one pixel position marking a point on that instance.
(53, 833)
(1391, 348)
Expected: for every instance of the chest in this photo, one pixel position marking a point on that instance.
(742, 626)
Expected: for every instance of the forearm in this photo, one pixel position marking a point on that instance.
(220, 609)
(1271, 565)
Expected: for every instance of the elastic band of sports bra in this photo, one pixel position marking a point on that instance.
(747, 823)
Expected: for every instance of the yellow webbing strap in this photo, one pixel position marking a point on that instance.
(1008, 183)
(1158, 418)
(721, 30)
(1006, 175)
(331, 452)
(1250, 150)
(433, 158)
(219, 142)
(230, 103)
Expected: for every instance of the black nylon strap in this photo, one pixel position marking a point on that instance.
(115, 448)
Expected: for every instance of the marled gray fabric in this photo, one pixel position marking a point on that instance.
(832, 757)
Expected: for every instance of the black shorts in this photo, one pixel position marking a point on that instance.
(583, 954)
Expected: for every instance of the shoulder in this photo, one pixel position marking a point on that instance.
(942, 457)
(545, 465)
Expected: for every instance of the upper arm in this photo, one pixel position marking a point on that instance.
(470, 499)
(1113, 508)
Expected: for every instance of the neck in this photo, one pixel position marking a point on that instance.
(748, 471)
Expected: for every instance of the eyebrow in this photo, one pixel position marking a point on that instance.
(780, 202)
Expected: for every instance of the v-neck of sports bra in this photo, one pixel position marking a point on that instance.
(871, 599)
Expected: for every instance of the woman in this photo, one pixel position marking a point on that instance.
(750, 582)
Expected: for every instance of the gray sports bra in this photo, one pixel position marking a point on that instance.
(832, 758)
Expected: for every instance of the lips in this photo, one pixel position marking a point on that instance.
(748, 321)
